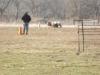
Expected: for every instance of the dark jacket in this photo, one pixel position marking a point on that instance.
(26, 18)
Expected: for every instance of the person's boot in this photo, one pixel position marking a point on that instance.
(26, 33)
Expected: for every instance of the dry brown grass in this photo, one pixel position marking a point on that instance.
(47, 51)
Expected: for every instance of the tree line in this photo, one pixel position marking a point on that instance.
(12, 10)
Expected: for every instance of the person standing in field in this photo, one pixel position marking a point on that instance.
(26, 19)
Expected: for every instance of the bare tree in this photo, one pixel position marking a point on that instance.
(75, 8)
(97, 9)
(17, 5)
(34, 6)
(3, 6)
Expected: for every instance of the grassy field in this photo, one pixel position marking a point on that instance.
(47, 51)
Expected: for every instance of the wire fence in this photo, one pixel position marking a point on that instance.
(88, 35)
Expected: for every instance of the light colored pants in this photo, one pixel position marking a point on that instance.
(26, 28)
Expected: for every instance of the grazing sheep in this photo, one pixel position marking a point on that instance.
(54, 24)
